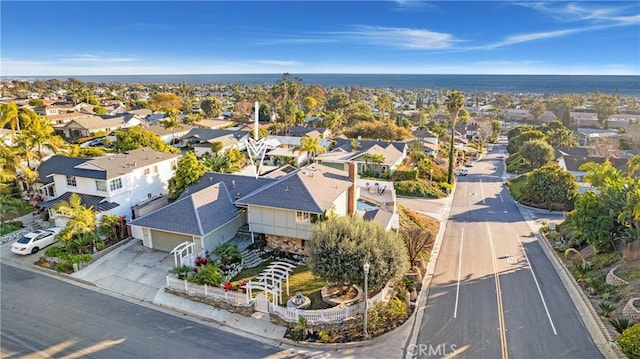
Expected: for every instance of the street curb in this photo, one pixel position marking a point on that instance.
(599, 333)
(421, 301)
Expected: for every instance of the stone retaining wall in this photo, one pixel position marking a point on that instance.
(613, 279)
(245, 310)
(344, 325)
(630, 311)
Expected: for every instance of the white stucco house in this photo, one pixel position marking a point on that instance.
(111, 184)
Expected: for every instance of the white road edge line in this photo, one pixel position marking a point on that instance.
(544, 303)
(455, 310)
(500, 194)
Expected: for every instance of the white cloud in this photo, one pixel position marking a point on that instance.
(516, 39)
(95, 59)
(401, 37)
(277, 62)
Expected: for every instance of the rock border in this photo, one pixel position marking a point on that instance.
(613, 279)
(630, 311)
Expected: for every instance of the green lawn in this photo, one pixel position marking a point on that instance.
(515, 186)
(300, 280)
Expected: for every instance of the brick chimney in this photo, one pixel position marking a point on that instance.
(351, 197)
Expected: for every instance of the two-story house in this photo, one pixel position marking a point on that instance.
(283, 209)
(111, 184)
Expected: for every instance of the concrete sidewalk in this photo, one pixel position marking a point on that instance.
(139, 273)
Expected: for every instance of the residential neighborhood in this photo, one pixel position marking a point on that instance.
(240, 204)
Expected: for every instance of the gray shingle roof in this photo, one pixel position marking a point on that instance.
(123, 163)
(237, 185)
(199, 213)
(86, 200)
(311, 189)
(62, 165)
(207, 134)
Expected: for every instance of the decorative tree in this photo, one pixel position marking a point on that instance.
(536, 152)
(339, 248)
(550, 186)
(454, 103)
(188, 172)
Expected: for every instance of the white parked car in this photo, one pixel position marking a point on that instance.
(34, 241)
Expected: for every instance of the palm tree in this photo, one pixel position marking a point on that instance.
(562, 137)
(453, 103)
(39, 134)
(81, 218)
(373, 158)
(633, 164)
(355, 144)
(172, 123)
(311, 146)
(9, 115)
(9, 163)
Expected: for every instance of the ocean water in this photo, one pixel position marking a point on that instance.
(556, 84)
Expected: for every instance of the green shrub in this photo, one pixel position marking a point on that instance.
(181, 271)
(606, 308)
(100, 245)
(55, 251)
(405, 175)
(228, 254)
(418, 188)
(630, 341)
(10, 227)
(386, 315)
(620, 324)
(209, 275)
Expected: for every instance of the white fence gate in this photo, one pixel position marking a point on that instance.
(262, 303)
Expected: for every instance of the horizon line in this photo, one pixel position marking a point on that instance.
(315, 73)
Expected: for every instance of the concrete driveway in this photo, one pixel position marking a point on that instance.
(8, 257)
(132, 270)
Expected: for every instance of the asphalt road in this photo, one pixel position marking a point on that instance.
(44, 318)
(494, 294)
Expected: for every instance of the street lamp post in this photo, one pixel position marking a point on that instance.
(365, 267)
(431, 175)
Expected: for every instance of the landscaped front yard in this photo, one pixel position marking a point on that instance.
(300, 280)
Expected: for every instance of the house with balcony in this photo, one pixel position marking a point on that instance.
(391, 155)
(283, 209)
(111, 184)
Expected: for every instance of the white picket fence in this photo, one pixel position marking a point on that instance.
(331, 315)
(207, 291)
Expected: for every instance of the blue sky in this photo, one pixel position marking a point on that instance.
(218, 37)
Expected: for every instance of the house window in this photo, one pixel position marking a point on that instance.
(303, 217)
(101, 186)
(115, 184)
(71, 181)
(51, 191)
(147, 171)
(155, 169)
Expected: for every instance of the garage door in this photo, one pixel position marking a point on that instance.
(165, 241)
